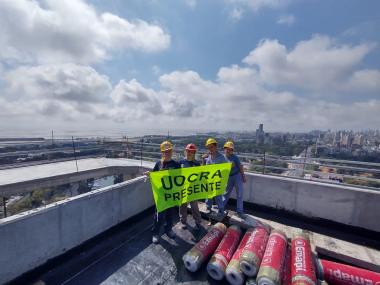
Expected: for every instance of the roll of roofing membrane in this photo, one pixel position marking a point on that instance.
(196, 256)
(234, 275)
(342, 274)
(302, 267)
(217, 265)
(252, 255)
(273, 260)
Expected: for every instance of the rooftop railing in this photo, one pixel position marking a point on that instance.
(360, 173)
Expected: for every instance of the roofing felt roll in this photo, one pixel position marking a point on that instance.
(217, 265)
(273, 260)
(195, 257)
(253, 251)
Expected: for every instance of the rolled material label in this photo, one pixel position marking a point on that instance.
(223, 254)
(302, 268)
(200, 252)
(273, 259)
(253, 251)
(234, 274)
(341, 274)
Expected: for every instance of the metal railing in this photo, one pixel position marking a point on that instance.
(302, 167)
(345, 172)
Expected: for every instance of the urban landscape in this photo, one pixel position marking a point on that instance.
(189, 142)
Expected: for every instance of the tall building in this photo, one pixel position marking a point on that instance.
(358, 140)
(346, 140)
(260, 134)
(337, 139)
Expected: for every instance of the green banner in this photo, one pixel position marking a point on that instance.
(177, 186)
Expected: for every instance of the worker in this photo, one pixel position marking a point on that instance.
(214, 157)
(190, 161)
(167, 216)
(236, 178)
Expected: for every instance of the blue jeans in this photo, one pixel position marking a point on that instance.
(237, 182)
(219, 202)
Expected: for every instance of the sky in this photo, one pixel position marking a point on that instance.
(151, 66)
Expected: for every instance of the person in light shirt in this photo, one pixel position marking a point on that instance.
(214, 157)
(236, 178)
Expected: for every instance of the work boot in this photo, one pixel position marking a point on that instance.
(155, 239)
(171, 234)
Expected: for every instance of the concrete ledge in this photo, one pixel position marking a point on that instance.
(25, 179)
(347, 205)
(39, 235)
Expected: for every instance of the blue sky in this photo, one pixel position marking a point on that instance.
(204, 37)
(149, 65)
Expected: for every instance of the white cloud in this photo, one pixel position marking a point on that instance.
(136, 98)
(271, 88)
(47, 31)
(191, 3)
(63, 83)
(366, 80)
(286, 20)
(318, 64)
(236, 14)
(256, 5)
(237, 7)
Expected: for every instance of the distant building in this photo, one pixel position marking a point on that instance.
(358, 140)
(260, 134)
(346, 140)
(337, 139)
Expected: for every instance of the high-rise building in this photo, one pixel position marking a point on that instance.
(337, 139)
(358, 140)
(260, 134)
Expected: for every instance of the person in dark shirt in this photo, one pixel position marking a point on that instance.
(168, 215)
(190, 161)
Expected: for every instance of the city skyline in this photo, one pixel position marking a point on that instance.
(144, 67)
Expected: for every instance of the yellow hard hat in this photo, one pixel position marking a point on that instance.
(229, 144)
(166, 145)
(210, 141)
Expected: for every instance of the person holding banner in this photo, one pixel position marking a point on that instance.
(168, 215)
(236, 179)
(214, 157)
(190, 161)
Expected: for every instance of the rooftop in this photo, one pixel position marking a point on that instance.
(103, 236)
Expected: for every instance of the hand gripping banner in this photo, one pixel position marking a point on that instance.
(177, 186)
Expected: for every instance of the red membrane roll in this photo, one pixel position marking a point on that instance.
(195, 257)
(341, 274)
(273, 260)
(217, 265)
(302, 268)
(253, 251)
(233, 273)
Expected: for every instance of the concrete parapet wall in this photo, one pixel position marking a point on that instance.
(29, 239)
(339, 203)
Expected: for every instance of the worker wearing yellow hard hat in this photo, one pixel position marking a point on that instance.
(214, 157)
(236, 178)
(167, 216)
